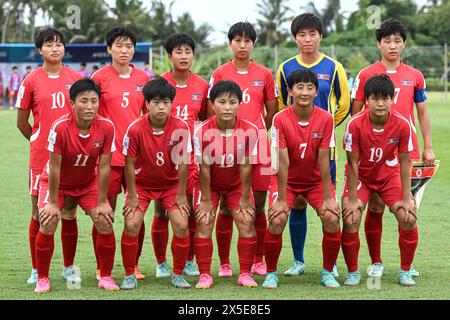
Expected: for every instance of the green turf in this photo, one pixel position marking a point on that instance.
(432, 258)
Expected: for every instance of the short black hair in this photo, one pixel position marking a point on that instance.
(83, 85)
(304, 76)
(379, 85)
(48, 34)
(221, 87)
(83, 64)
(158, 87)
(306, 21)
(178, 39)
(15, 67)
(389, 27)
(28, 67)
(119, 31)
(242, 28)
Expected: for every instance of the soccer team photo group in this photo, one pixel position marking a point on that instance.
(252, 182)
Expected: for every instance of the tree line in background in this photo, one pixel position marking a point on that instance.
(427, 24)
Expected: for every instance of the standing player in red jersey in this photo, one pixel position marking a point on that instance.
(45, 93)
(376, 141)
(121, 102)
(189, 105)
(226, 146)
(409, 86)
(80, 143)
(157, 148)
(259, 93)
(303, 135)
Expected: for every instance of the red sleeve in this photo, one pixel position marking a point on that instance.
(405, 144)
(328, 140)
(205, 99)
(252, 143)
(109, 145)
(102, 106)
(131, 143)
(270, 92)
(351, 138)
(183, 134)
(55, 140)
(277, 134)
(215, 77)
(25, 95)
(358, 87)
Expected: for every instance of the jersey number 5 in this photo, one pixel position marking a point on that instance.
(125, 100)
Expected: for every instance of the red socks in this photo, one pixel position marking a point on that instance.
(180, 249)
(224, 234)
(350, 248)
(106, 248)
(373, 228)
(246, 253)
(33, 230)
(160, 238)
(192, 227)
(44, 252)
(203, 252)
(331, 244)
(407, 242)
(69, 239)
(141, 241)
(129, 246)
(260, 227)
(272, 249)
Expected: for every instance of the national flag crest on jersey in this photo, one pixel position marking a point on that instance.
(172, 143)
(139, 88)
(317, 135)
(393, 140)
(258, 83)
(407, 83)
(196, 97)
(98, 144)
(323, 76)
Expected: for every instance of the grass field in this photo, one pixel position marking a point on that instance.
(432, 258)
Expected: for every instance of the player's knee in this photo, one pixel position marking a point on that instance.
(103, 226)
(180, 227)
(330, 222)
(204, 230)
(132, 228)
(276, 226)
(51, 226)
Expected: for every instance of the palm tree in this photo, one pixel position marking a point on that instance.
(274, 13)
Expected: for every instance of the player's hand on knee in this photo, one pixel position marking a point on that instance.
(246, 208)
(104, 210)
(205, 209)
(278, 208)
(183, 204)
(130, 207)
(49, 212)
(350, 209)
(409, 207)
(332, 206)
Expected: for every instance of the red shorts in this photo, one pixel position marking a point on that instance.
(33, 181)
(313, 193)
(86, 197)
(145, 196)
(231, 198)
(116, 181)
(390, 190)
(192, 181)
(261, 174)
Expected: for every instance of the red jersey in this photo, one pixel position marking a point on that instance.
(303, 141)
(257, 86)
(409, 86)
(190, 99)
(378, 149)
(157, 151)
(121, 101)
(225, 151)
(48, 99)
(79, 152)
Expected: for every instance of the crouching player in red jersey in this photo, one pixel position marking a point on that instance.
(157, 149)
(189, 105)
(77, 142)
(225, 146)
(376, 141)
(303, 135)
